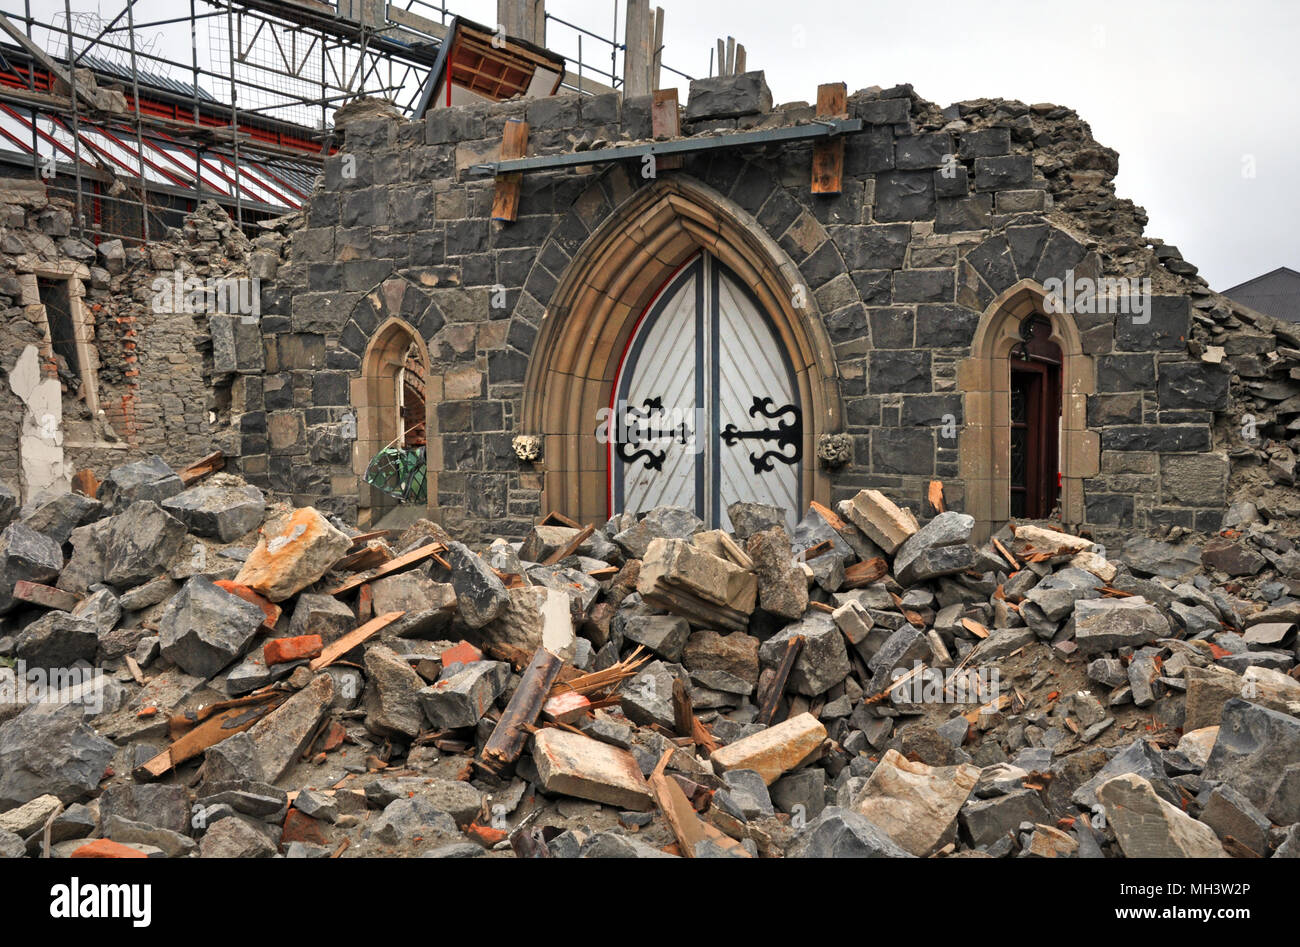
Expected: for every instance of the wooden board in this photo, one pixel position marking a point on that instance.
(666, 122)
(352, 639)
(514, 144)
(828, 156)
(201, 468)
(412, 558)
(208, 734)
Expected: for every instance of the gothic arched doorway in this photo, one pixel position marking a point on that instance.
(392, 419)
(597, 313)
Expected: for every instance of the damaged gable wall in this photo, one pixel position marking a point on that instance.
(156, 388)
(901, 267)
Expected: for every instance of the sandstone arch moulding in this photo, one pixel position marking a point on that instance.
(374, 399)
(602, 294)
(985, 379)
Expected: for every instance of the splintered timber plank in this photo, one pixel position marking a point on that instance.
(514, 144)
(861, 574)
(828, 156)
(561, 554)
(511, 732)
(414, 557)
(687, 827)
(335, 650)
(208, 734)
(767, 710)
(201, 468)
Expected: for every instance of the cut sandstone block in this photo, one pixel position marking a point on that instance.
(773, 751)
(571, 764)
(915, 804)
(886, 524)
(284, 565)
(1148, 827)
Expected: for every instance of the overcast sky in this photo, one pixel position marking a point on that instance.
(1197, 96)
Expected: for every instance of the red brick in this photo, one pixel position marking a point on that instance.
(302, 828)
(283, 650)
(106, 848)
(463, 653)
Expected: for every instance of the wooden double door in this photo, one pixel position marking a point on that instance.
(705, 407)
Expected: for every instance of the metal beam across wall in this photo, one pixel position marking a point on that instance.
(822, 129)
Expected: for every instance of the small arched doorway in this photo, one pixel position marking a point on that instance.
(392, 423)
(1027, 379)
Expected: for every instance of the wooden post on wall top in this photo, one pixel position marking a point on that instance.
(514, 144)
(666, 122)
(828, 156)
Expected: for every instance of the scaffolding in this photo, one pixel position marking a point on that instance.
(137, 116)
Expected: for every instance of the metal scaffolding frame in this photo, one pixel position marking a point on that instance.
(135, 133)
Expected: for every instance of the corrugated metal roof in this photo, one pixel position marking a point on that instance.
(146, 78)
(1275, 294)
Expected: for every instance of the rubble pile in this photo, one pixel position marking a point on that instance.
(191, 672)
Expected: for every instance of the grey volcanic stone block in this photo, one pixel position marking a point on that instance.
(204, 628)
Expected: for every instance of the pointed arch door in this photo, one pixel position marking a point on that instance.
(705, 406)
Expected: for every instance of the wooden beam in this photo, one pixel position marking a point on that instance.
(511, 732)
(638, 57)
(569, 548)
(86, 483)
(336, 649)
(828, 156)
(414, 557)
(514, 144)
(772, 699)
(657, 49)
(201, 468)
(666, 122)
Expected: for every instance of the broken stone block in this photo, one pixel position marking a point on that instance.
(482, 597)
(140, 542)
(782, 589)
(899, 653)
(984, 821)
(730, 96)
(1258, 754)
(823, 660)
(405, 819)
(30, 816)
(1208, 689)
(575, 765)
(47, 750)
(224, 513)
(235, 838)
(1032, 540)
(801, 793)
(1102, 625)
(917, 559)
(282, 735)
(149, 479)
(283, 565)
(647, 699)
(103, 609)
(1143, 680)
(1233, 557)
(705, 589)
(535, 617)
(25, 555)
(665, 635)
(149, 803)
(57, 640)
(1139, 758)
(462, 699)
(775, 750)
(1148, 827)
(429, 605)
(1231, 815)
(748, 519)
(886, 525)
(1047, 841)
(322, 615)
(748, 791)
(173, 844)
(664, 522)
(392, 706)
(1196, 745)
(843, 833)
(150, 593)
(57, 518)
(735, 654)
(915, 804)
(204, 628)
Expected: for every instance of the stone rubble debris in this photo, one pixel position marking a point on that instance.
(187, 671)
